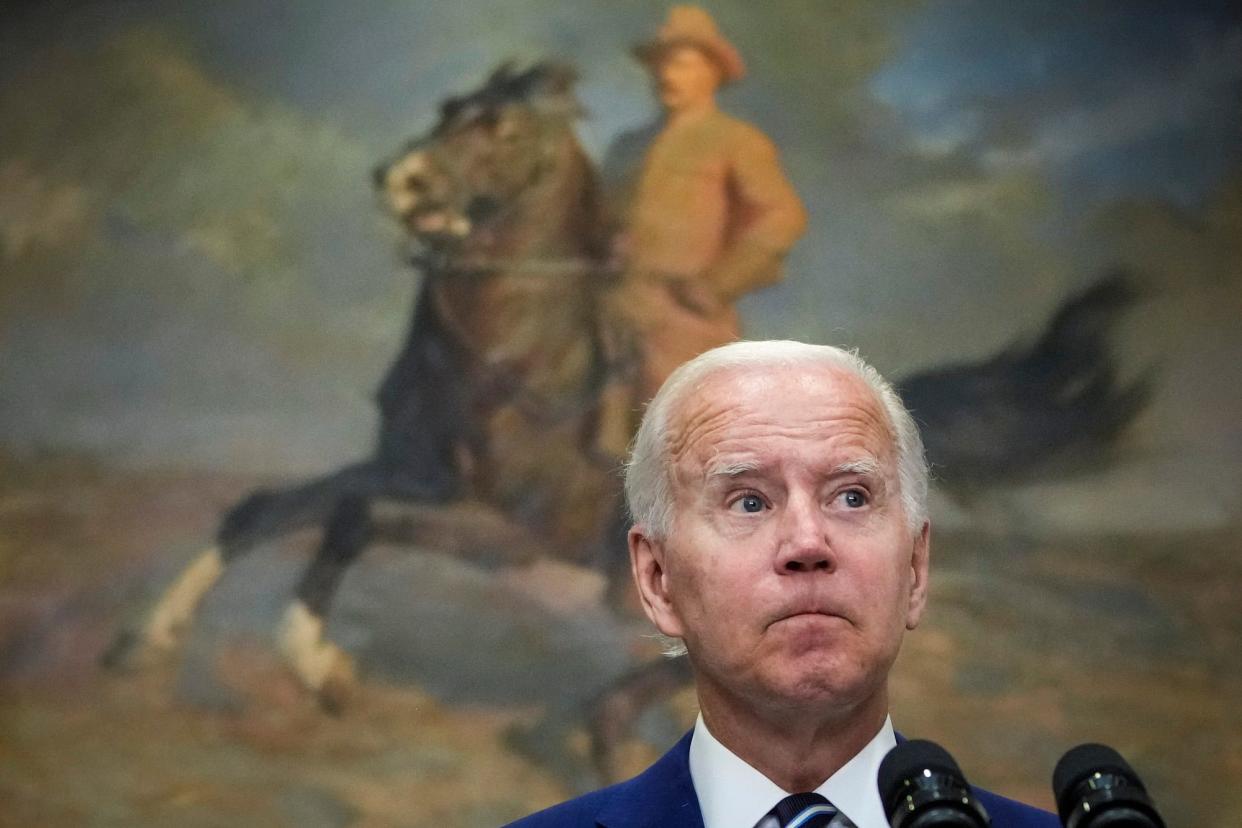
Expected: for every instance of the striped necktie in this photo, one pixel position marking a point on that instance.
(806, 810)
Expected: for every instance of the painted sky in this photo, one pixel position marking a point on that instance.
(1108, 100)
(196, 273)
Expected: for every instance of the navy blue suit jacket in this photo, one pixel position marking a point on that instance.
(663, 797)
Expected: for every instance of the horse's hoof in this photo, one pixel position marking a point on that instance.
(161, 629)
(340, 687)
(323, 668)
(119, 657)
(131, 651)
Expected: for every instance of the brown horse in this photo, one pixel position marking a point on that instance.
(492, 400)
(503, 204)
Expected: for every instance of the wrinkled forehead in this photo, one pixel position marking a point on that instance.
(804, 409)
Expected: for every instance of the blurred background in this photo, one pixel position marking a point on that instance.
(200, 291)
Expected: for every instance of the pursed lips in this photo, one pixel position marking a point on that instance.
(796, 612)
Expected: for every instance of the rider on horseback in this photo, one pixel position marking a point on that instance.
(709, 219)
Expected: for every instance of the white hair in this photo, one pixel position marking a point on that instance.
(649, 474)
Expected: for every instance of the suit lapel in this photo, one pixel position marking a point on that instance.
(661, 797)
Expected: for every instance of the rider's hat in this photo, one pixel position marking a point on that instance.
(692, 26)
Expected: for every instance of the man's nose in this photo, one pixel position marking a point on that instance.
(804, 543)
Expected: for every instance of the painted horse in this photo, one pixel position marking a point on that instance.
(493, 398)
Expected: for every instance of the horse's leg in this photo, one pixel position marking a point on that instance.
(260, 516)
(422, 409)
(156, 636)
(321, 665)
(173, 611)
(612, 714)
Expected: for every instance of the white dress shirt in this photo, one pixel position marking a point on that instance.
(732, 794)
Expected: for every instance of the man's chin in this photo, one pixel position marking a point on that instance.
(820, 678)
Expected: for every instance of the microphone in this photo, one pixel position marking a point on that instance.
(922, 787)
(1096, 788)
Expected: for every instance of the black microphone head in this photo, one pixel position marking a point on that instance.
(911, 758)
(1093, 785)
(922, 787)
(1084, 761)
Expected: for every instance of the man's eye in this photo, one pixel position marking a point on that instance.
(854, 499)
(749, 503)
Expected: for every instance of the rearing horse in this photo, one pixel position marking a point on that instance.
(494, 394)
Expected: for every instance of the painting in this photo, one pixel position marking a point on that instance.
(324, 328)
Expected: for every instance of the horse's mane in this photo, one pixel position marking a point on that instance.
(547, 85)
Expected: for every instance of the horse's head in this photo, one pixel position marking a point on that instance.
(488, 147)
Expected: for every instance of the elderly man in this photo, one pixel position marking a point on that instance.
(781, 541)
(709, 218)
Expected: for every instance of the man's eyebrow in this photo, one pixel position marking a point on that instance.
(865, 466)
(735, 469)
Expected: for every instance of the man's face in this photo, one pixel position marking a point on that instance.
(686, 78)
(790, 569)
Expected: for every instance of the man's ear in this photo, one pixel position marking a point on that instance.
(920, 566)
(647, 561)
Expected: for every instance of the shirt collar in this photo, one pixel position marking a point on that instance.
(732, 794)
